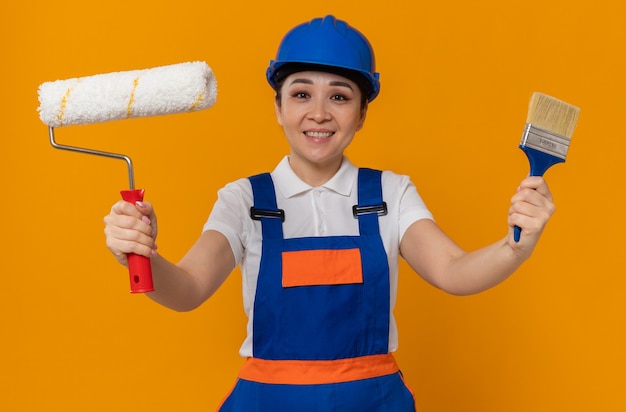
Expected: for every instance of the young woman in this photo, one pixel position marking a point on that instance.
(318, 242)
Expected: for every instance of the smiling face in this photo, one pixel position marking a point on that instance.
(320, 113)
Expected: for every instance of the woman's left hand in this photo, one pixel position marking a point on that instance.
(531, 209)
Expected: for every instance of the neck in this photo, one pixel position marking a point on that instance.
(314, 174)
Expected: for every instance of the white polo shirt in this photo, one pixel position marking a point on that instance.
(313, 211)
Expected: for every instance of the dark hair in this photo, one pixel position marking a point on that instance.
(290, 68)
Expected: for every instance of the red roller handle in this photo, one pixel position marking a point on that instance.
(140, 271)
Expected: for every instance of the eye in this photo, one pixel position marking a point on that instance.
(300, 95)
(339, 97)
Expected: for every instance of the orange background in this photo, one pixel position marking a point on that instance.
(456, 80)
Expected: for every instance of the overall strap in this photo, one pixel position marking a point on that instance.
(265, 208)
(370, 201)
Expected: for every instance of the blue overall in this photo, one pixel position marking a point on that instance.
(317, 323)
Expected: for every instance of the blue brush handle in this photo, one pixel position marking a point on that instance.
(539, 163)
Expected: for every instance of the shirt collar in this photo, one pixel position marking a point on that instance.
(289, 184)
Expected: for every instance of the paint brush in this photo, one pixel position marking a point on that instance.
(549, 128)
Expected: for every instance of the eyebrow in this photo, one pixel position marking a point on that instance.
(333, 83)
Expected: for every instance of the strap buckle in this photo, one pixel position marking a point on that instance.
(257, 214)
(381, 210)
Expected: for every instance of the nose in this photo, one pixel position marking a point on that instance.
(319, 110)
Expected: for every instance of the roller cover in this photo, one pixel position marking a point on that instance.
(176, 88)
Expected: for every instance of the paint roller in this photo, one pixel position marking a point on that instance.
(177, 88)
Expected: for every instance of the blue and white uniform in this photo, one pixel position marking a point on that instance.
(319, 284)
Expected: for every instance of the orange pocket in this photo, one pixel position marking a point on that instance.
(322, 267)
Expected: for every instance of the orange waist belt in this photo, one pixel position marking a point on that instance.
(305, 372)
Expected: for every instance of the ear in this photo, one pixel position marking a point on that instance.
(277, 110)
(363, 116)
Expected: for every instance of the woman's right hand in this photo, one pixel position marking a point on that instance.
(130, 228)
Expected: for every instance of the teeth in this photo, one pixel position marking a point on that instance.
(319, 135)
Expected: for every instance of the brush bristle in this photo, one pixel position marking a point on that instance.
(552, 115)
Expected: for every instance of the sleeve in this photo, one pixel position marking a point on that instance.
(230, 215)
(411, 207)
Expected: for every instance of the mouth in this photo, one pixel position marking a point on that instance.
(318, 135)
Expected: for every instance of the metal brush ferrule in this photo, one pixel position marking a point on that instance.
(131, 178)
(545, 141)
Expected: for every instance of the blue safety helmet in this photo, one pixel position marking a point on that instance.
(329, 43)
